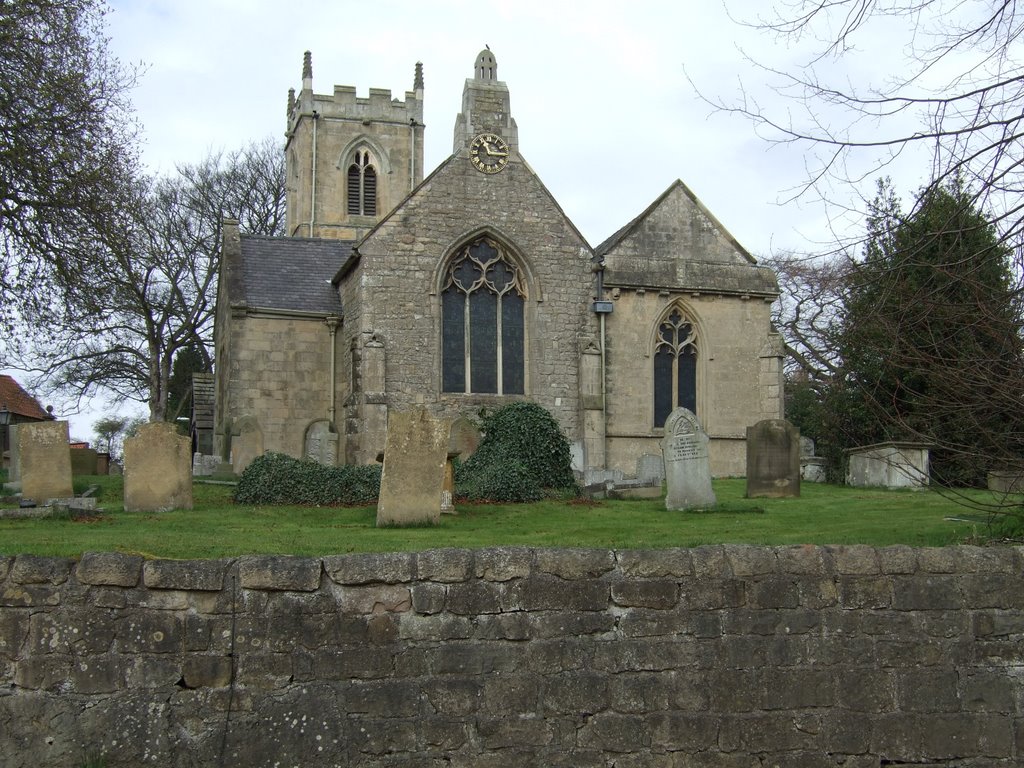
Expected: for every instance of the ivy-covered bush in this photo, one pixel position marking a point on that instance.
(522, 455)
(274, 478)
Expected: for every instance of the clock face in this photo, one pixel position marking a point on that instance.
(489, 153)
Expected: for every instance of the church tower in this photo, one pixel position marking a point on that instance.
(349, 160)
(485, 106)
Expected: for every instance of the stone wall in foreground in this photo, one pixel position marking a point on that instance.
(724, 657)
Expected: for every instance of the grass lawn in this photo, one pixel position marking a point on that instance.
(219, 528)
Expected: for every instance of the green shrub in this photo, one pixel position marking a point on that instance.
(523, 453)
(274, 478)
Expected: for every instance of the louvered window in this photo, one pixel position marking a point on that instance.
(362, 186)
(675, 366)
(482, 322)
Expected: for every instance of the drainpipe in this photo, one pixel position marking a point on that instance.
(602, 308)
(333, 321)
(312, 190)
(412, 153)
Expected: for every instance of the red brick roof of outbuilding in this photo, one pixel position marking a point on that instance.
(18, 401)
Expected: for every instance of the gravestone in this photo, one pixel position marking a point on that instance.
(157, 470)
(1007, 480)
(889, 465)
(84, 461)
(773, 460)
(465, 438)
(650, 469)
(321, 443)
(812, 468)
(415, 452)
(246, 443)
(687, 466)
(45, 461)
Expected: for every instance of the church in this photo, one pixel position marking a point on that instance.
(468, 288)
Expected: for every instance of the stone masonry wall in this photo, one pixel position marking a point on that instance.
(280, 373)
(728, 657)
(403, 261)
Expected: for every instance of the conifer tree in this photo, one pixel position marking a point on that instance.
(930, 337)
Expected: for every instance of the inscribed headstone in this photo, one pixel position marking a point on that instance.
(687, 465)
(321, 443)
(415, 452)
(246, 443)
(45, 461)
(773, 460)
(157, 470)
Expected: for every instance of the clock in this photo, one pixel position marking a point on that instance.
(489, 153)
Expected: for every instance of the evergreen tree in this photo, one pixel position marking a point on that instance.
(930, 337)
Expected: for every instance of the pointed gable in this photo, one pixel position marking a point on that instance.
(678, 244)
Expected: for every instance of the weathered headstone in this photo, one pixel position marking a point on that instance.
(687, 465)
(650, 469)
(84, 461)
(415, 452)
(1007, 480)
(45, 461)
(465, 438)
(889, 465)
(321, 444)
(773, 460)
(157, 470)
(246, 443)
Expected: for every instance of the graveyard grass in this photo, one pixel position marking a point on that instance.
(217, 527)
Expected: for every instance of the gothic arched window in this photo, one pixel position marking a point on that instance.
(675, 366)
(482, 300)
(362, 185)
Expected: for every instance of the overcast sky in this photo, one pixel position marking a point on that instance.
(601, 92)
(606, 114)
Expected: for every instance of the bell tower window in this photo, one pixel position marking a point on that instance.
(362, 185)
(482, 330)
(675, 366)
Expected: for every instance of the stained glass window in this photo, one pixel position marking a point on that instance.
(482, 330)
(675, 366)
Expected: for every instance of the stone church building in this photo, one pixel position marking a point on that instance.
(469, 288)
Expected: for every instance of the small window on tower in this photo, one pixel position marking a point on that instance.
(361, 186)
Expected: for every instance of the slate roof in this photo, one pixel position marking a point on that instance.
(291, 273)
(18, 401)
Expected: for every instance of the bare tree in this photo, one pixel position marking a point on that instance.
(807, 310)
(920, 315)
(958, 93)
(118, 328)
(67, 143)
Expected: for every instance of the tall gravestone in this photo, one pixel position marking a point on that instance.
(246, 443)
(415, 452)
(687, 464)
(45, 461)
(773, 460)
(157, 470)
(321, 444)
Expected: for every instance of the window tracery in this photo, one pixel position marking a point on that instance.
(362, 185)
(483, 337)
(675, 365)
